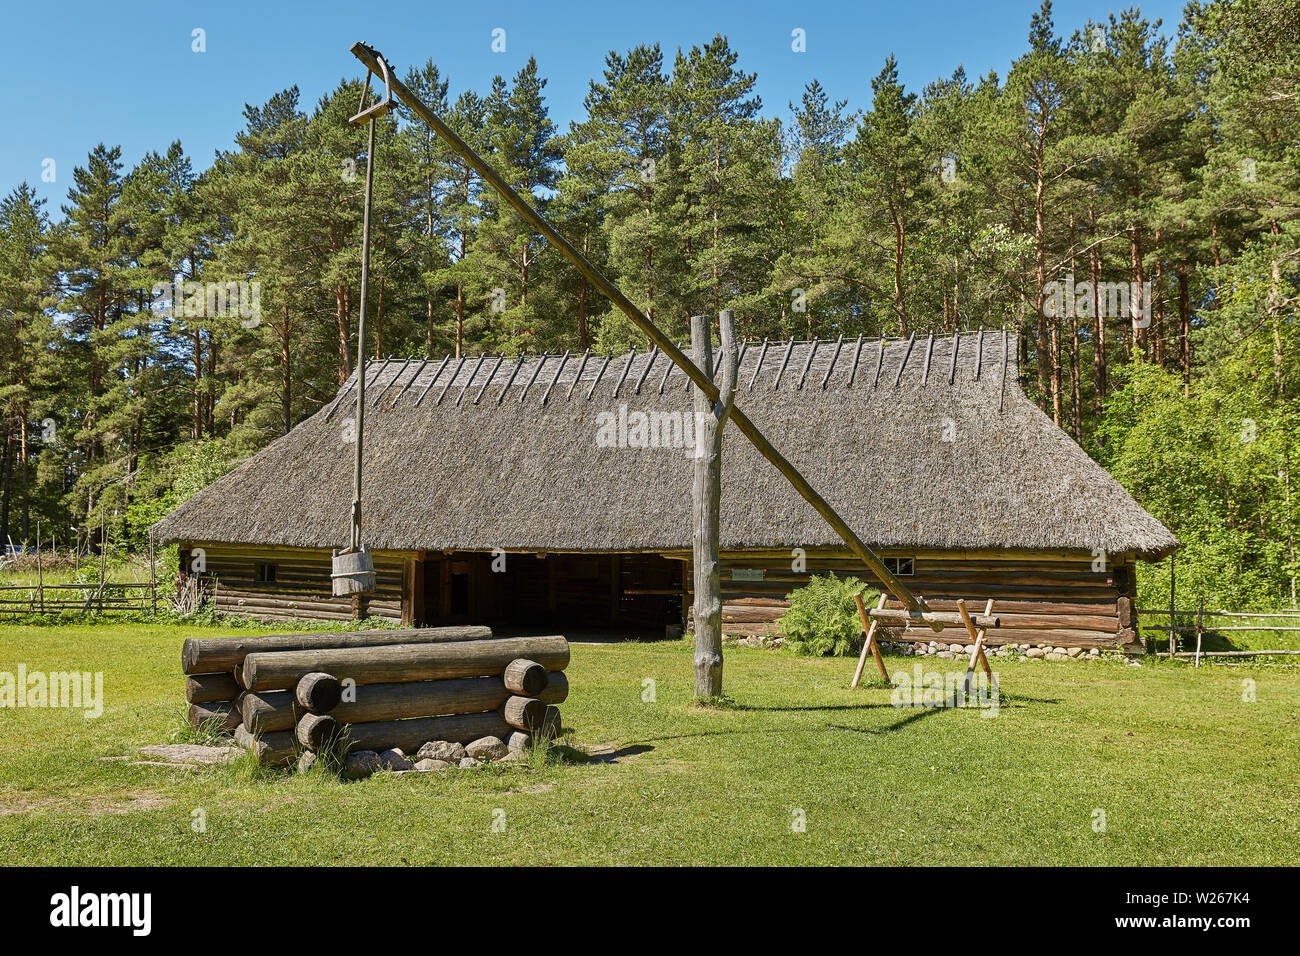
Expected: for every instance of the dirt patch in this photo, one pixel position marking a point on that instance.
(99, 805)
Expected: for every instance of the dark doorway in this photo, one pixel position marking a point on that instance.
(640, 592)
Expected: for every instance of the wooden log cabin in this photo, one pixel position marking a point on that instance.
(554, 492)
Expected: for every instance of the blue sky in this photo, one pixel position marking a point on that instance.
(78, 73)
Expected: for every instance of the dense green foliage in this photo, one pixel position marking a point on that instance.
(823, 620)
(1114, 153)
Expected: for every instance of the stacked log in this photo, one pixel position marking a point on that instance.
(400, 698)
(263, 719)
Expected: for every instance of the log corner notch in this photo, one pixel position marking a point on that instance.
(372, 62)
(706, 497)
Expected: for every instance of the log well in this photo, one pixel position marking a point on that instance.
(402, 663)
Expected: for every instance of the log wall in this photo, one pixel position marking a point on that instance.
(301, 589)
(1045, 598)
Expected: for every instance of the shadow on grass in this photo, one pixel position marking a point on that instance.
(601, 754)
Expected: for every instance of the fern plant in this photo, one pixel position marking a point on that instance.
(823, 618)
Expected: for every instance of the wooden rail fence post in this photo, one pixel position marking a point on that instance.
(40, 571)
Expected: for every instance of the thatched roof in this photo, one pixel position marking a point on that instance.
(924, 443)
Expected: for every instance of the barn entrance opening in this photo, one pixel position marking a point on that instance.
(636, 594)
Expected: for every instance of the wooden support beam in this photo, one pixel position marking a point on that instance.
(706, 499)
(942, 618)
(977, 638)
(870, 625)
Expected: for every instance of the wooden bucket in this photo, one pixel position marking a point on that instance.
(354, 572)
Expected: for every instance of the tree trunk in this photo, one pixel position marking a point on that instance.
(1098, 320)
(286, 372)
(1185, 327)
(706, 498)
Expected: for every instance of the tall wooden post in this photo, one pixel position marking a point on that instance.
(706, 499)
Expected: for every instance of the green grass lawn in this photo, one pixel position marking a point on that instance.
(1186, 772)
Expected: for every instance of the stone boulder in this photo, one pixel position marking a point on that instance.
(487, 748)
(441, 750)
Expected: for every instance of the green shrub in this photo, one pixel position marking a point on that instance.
(823, 618)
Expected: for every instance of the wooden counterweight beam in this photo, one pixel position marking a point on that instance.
(371, 60)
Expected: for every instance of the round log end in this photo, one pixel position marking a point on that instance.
(316, 731)
(550, 724)
(189, 656)
(524, 713)
(525, 677)
(319, 692)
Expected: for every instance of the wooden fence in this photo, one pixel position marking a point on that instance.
(106, 598)
(1199, 628)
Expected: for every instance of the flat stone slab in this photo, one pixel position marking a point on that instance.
(191, 753)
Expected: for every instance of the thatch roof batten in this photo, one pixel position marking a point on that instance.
(758, 366)
(812, 353)
(857, 355)
(911, 341)
(546, 394)
(582, 365)
(537, 370)
(654, 353)
(529, 475)
(789, 350)
(839, 343)
(443, 394)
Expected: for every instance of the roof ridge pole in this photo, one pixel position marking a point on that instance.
(857, 355)
(511, 380)
(880, 363)
(952, 365)
(929, 353)
(807, 365)
(1003, 396)
(654, 354)
(627, 367)
(488, 381)
(536, 372)
(546, 394)
(409, 382)
(586, 354)
(600, 374)
(911, 340)
(758, 366)
(470, 381)
(839, 343)
(446, 359)
(450, 382)
(372, 60)
(784, 362)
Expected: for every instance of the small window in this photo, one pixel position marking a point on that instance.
(264, 573)
(903, 567)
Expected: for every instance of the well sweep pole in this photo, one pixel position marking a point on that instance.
(370, 59)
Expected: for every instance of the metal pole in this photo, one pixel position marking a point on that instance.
(371, 60)
(361, 337)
